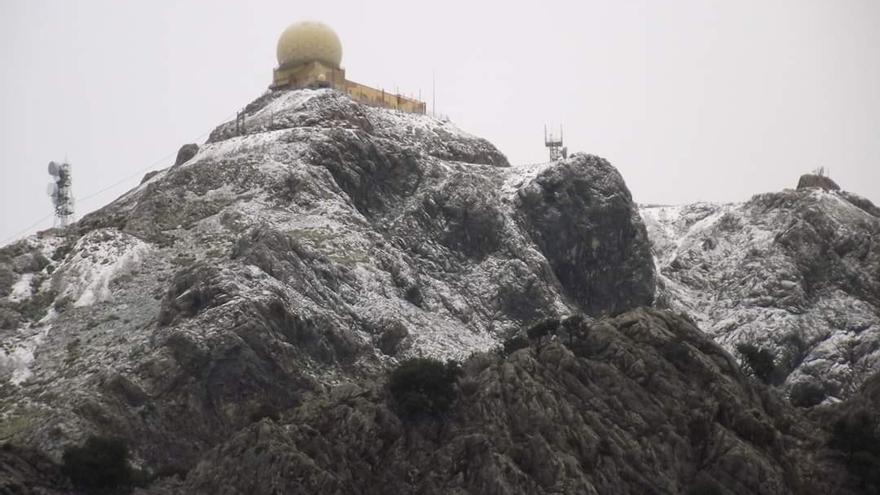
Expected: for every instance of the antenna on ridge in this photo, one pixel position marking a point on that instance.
(554, 144)
(59, 190)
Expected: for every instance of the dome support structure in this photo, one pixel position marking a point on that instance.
(310, 56)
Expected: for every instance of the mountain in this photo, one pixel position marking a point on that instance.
(233, 320)
(311, 248)
(796, 271)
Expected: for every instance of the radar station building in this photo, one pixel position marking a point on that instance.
(309, 56)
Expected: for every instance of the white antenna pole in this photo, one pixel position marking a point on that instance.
(433, 94)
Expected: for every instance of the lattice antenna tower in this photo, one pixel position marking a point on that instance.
(60, 193)
(553, 143)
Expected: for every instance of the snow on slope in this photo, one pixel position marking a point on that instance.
(736, 271)
(101, 255)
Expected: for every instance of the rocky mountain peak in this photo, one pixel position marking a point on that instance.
(233, 320)
(796, 271)
(315, 242)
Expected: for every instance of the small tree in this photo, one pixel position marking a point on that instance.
(100, 465)
(807, 394)
(540, 330)
(856, 434)
(704, 484)
(423, 386)
(574, 325)
(514, 344)
(759, 362)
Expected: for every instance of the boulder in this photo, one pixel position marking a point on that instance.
(581, 215)
(814, 180)
(185, 154)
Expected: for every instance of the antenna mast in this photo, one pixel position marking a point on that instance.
(554, 144)
(59, 191)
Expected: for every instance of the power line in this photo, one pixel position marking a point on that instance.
(111, 186)
(29, 227)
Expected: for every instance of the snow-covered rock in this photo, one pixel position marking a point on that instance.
(796, 271)
(321, 242)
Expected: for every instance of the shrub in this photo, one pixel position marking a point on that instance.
(574, 325)
(514, 344)
(423, 386)
(705, 485)
(856, 432)
(542, 329)
(265, 410)
(750, 427)
(100, 465)
(807, 394)
(856, 435)
(760, 362)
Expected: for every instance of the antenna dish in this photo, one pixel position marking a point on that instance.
(60, 193)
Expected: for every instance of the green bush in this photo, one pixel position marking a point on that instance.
(705, 485)
(514, 344)
(807, 394)
(856, 434)
(750, 427)
(760, 362)
(100, 465)
(423, 386)
(543, 329)
(575, 326)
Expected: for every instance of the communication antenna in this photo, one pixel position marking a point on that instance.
(554, 144)
(59, 190)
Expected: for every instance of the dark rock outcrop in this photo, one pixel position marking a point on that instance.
(185, 154)
(814, 180)
(581, 214)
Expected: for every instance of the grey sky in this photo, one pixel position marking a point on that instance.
(689, 99)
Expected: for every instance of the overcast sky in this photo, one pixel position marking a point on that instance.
(690, 99)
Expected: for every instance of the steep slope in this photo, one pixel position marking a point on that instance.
(640, 403)
(795, 271)
(313, 245)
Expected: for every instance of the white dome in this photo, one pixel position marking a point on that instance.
(305, 42)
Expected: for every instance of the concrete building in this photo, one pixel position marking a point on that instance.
(309, 56)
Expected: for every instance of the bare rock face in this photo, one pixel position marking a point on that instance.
(314, 245)
(814, 180)
(581, 214)
(640, 403)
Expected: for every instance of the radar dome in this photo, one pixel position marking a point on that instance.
(305, 42)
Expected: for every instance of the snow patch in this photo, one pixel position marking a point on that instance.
(97, 258)
(720, 263)
(22, 290)
(520, 176)
(16, 361)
